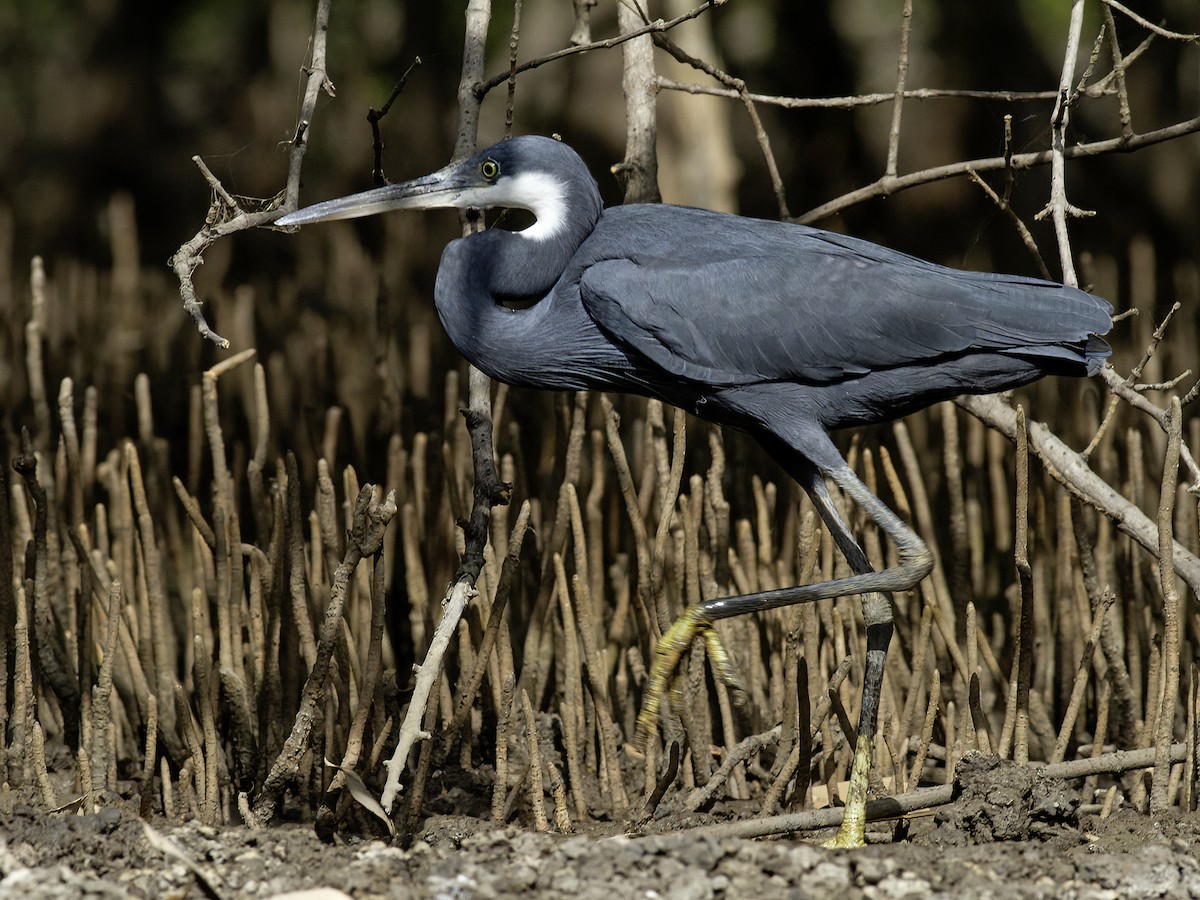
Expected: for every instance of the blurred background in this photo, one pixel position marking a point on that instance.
(106, 96)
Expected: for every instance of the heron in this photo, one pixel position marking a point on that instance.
(784, 331)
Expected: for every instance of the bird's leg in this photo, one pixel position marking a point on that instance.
(877, 616)
(915, 563)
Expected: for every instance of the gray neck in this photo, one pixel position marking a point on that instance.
(543, 338)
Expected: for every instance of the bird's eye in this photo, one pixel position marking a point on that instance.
(489, 168)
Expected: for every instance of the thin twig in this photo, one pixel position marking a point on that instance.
(374, 116)
(1059, 208)
(1068, 469)
(898, 98)
(887, 187)
(1150, 26)
(225, 215)
(1159, 795)
(738, 85)
(657, 26)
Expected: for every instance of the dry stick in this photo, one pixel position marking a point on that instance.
(1066, 467)
(1150, 26)
(935, 696)
(8, 616)
(1081, 677)
(898, 98)
(746, 748)
(598, 683)
(657, 621)
(1159, 794)
(1117, 676)
(924, 519)
(960, 542)
(495, 619)
(925, 798)
(192, 507)
(488, 490)
(1123, 390)
(920, 653)
(1059, 207)
(424, 762)
(638, 171)
(537, 798)
(504, 720)
(877, 99)
(366, 693)
(101, 717)
(145, 805)
(168, 792)
(1118, 71)
(562, 818)
(983, 738)
(670, 486)
(1192, 733)
(1024, 648)
(820, 716)
(533, 674)
(411, 729)
(743, 94)
(201, 675)
(481, 88)
(1006, 207)
(24, 710)
(70, 441)
(35, 372)
(297, 582)
(513, 40)
(163, 652)
(225, 215)
(887, 187)
(366, 536)
(573, 730)
(54, 662)
(582, 32)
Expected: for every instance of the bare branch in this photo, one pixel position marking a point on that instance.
(860, 100)
(482, 88)
(638, 171)
(225, 215)
(582, 32)
(739, 86)
(1150, 26)
(886, 187)
(488, 489)
(1026, 237)
(1070, 470)
(1059, 207)
(898, 97)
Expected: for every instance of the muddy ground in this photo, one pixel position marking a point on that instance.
(1007, 834)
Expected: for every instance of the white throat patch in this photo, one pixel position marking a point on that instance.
(541, 194)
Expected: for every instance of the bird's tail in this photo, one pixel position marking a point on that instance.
(1095, 351)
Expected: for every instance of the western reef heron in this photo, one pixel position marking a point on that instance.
(781, 330)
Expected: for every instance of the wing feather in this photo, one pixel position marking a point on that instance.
(736, 301)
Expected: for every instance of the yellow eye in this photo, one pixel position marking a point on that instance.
(489, 169)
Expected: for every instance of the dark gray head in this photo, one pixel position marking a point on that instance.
(535, 173)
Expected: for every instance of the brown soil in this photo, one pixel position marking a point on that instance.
(1009, 833)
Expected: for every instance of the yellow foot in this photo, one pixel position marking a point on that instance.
(847, 838)
(854, 820)
(692, 624)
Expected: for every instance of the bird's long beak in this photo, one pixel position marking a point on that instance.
(443, 188)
